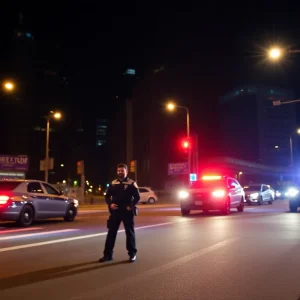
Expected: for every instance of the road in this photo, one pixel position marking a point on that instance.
(249, 255)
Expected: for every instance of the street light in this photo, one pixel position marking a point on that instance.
(55, 115)
(9, 86)
(171, 107)
(276, 53)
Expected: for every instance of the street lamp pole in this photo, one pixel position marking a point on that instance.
(188, 136)
(279, 102)
(171, 106)
(56, 115)
(47, 148)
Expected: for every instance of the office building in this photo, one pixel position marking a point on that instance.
(253, 129)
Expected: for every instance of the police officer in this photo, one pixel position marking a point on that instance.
(121, 197)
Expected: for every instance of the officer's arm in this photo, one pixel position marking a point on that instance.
(108, 195)
(136, 194)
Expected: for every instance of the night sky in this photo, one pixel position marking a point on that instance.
(92, 44)
(219, 46)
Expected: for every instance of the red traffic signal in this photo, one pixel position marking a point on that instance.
(185, 144)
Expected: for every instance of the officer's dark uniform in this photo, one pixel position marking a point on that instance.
(122, 193)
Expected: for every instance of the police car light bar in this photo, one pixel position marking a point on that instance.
(211, 177)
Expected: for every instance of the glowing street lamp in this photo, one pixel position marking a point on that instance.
(171, 106)
(275, 53)
(9, 86)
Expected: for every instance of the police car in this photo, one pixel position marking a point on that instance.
(24, 201)
(212, 192)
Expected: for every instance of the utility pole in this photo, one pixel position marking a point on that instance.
(129, 133)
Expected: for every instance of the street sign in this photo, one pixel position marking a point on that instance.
(14, 162)
(50, 164)
(178, 168)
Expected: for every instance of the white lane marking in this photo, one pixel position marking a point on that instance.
(11, 237)
(153, 272)
(20, 230)
(81, 237)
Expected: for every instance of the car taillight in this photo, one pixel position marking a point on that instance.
(4, 199)
(218, 193)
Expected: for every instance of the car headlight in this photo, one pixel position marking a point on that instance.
(292, 192)
(254, 195)
(278, 194)
(183, 194)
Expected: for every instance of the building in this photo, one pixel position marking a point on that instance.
(101, 132)
(152, 133)
(253, 129)
(38, 88)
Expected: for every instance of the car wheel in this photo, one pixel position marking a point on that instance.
(151, 200)
(241, 207)
(226, 209)
(293, 206)
(260, 201)
(71, 214)
(26, 216)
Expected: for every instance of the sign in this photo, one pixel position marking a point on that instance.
(132, 166)
(193, 177)
(14, 162)
(50, 164)
(130, 72)
(178, 168)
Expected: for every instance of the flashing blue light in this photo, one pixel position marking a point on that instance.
(193, 177)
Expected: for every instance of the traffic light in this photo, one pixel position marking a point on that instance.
(80, 167)
(185, 144)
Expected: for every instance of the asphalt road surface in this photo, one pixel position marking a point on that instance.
(251, 255)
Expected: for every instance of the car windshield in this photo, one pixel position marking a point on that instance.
(207, 184)
(252, 187)
(8, 185)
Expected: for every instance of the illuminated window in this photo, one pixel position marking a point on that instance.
(100, 143)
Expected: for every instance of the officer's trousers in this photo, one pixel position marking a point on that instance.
(115, 219)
